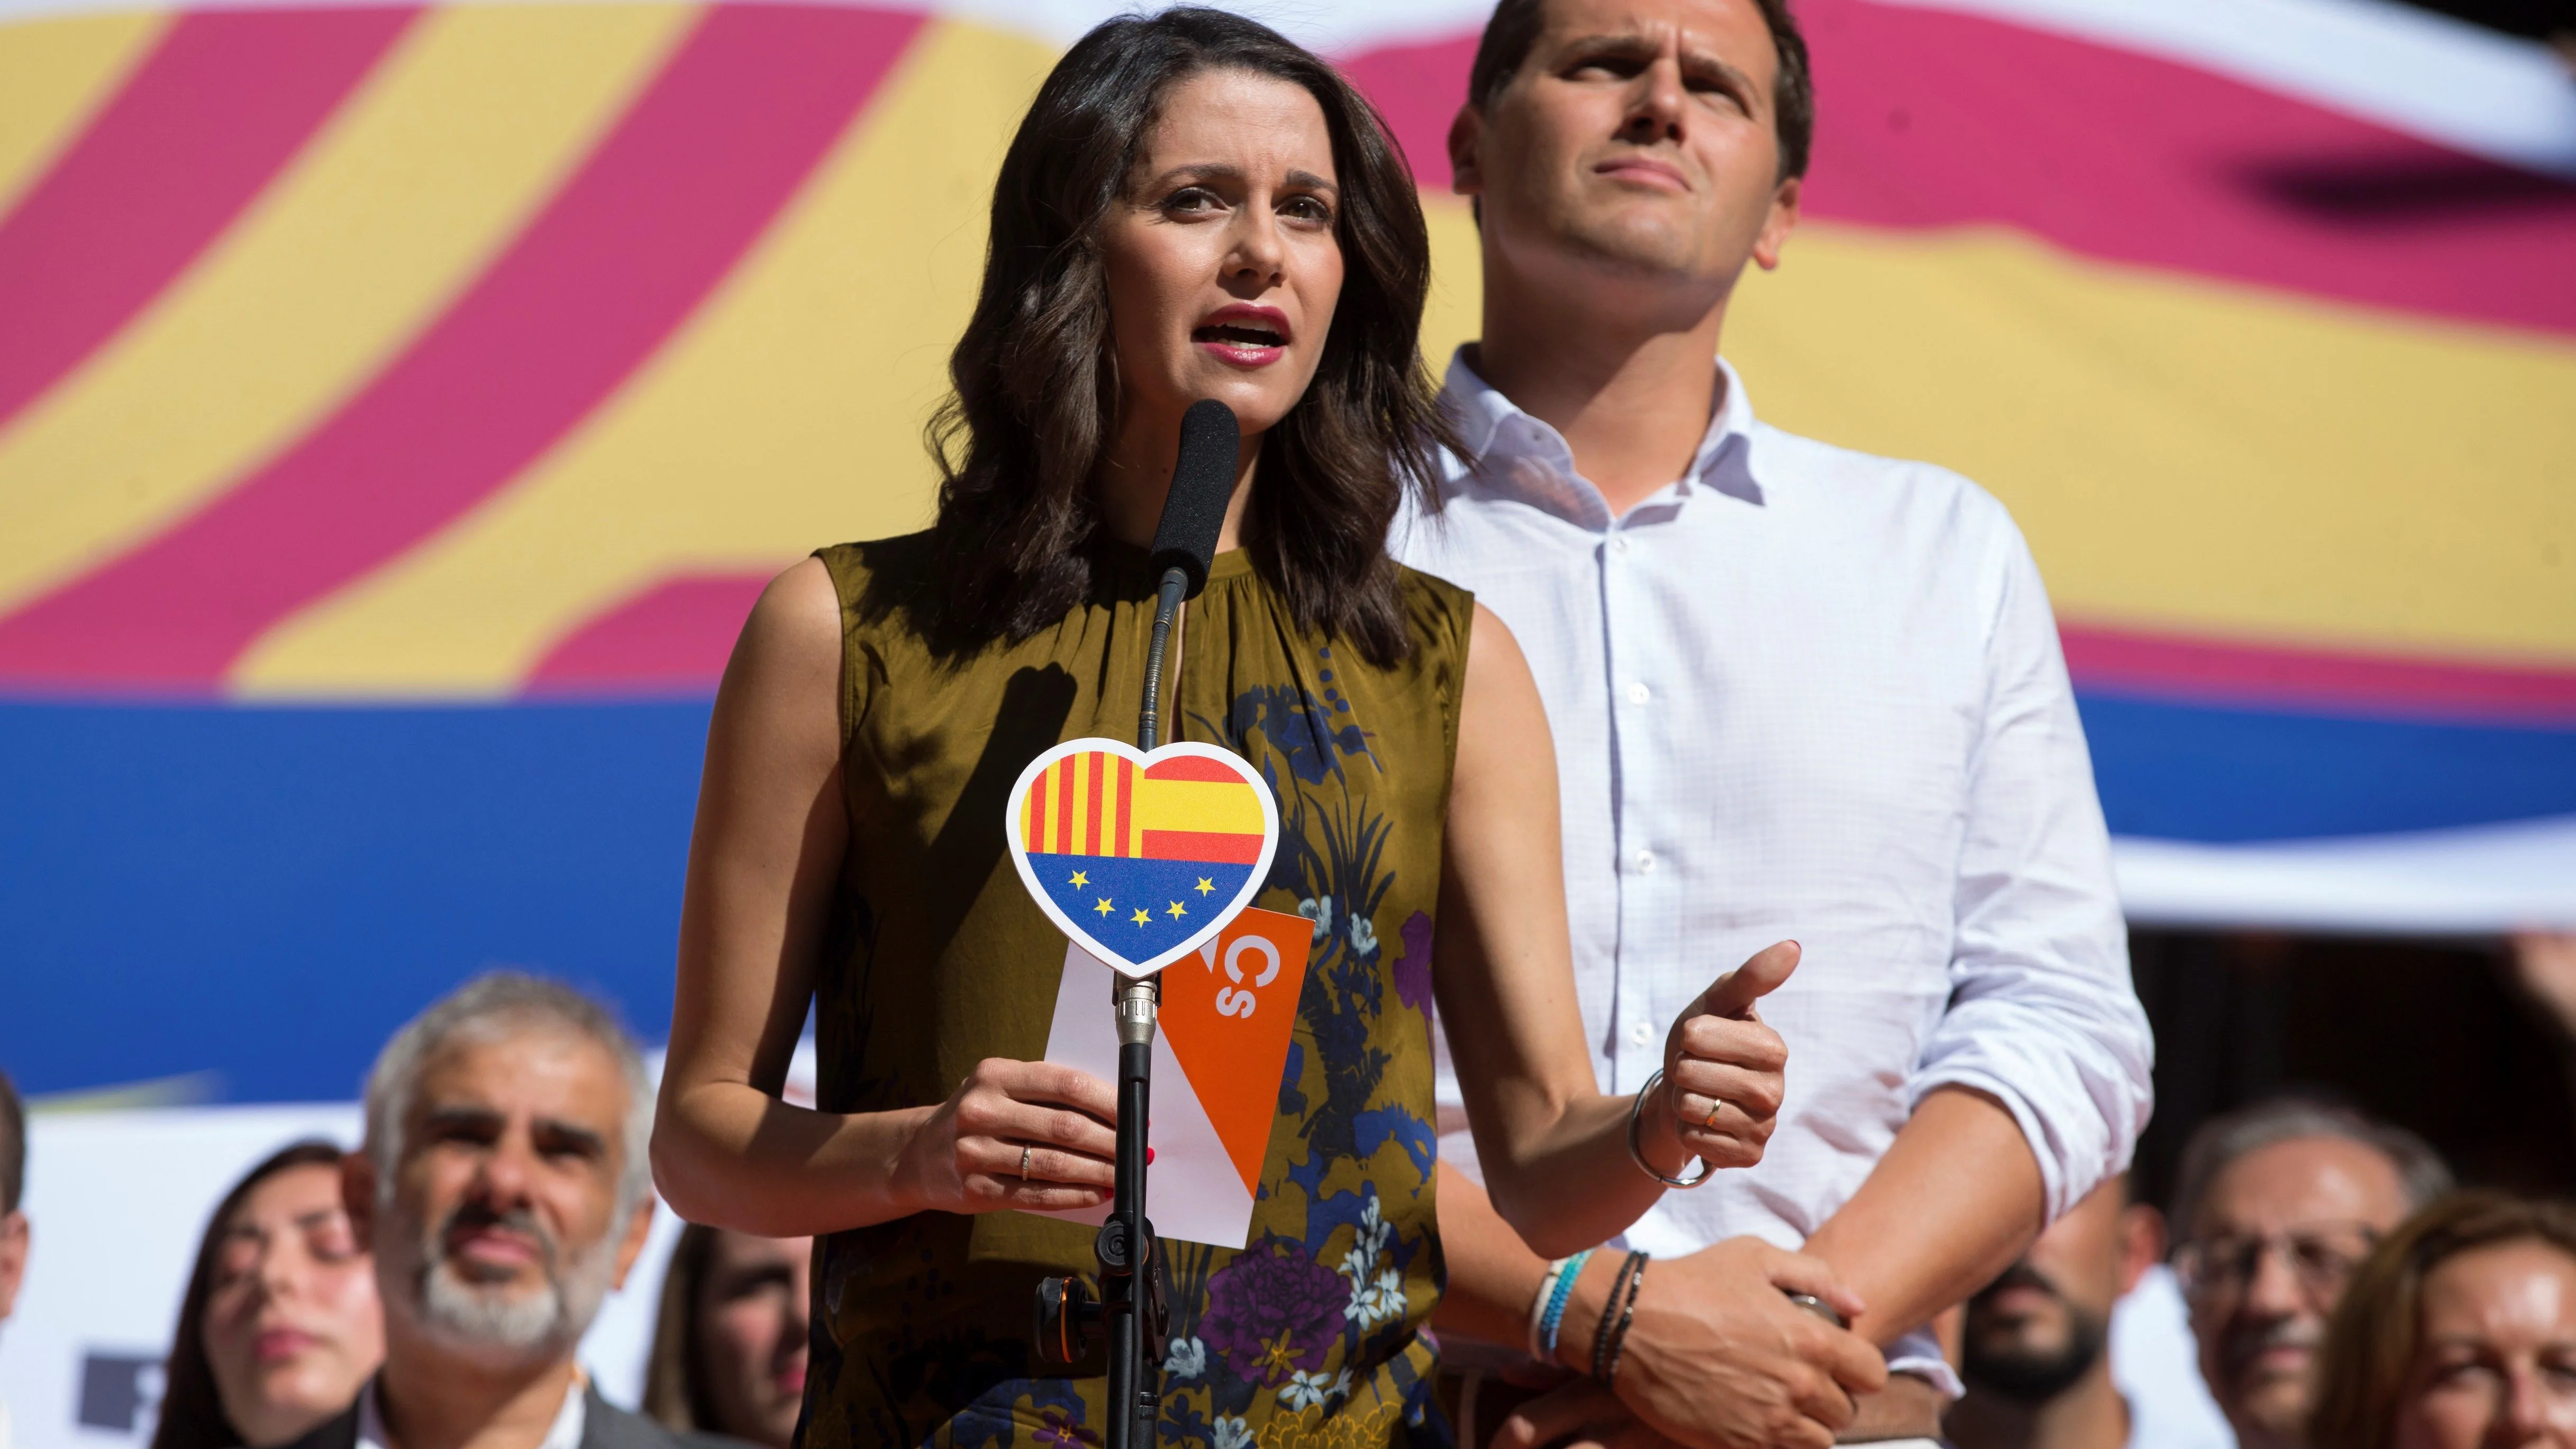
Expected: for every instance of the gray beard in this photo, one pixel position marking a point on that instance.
(492, 1323)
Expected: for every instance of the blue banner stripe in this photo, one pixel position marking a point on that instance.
(266, 893)
(2216, 775)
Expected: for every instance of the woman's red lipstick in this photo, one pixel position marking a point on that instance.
(1245, 335)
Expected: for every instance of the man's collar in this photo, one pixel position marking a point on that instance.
(1474, 406)
(571, 1418)
(1498, 433)
(371, 1418)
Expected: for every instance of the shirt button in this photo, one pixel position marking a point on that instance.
(1645, 862)
(1641, 1034)
(1639, 694)
(1618, 543)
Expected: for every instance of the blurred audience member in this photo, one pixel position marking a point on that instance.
(729, 1340)
(2035, 1357)
(504, 1191)
(2544, 966)
(13, 1219)
(279, 1328)
(2277, 1204)
(2544, 973)
(2458, 1332)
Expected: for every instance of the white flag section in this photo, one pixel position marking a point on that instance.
(2470, 881)
(1219, 1049)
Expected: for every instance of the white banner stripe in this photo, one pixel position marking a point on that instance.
(2477, 881)
(2413, 71)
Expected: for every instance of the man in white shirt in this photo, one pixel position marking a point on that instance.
(1795, 691)
(504, 1190)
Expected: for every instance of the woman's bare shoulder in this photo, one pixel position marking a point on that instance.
(796, 625)
(781, 695)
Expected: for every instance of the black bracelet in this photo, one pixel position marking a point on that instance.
(1617, 1312)
(1610, 1313)
(1627, 1315)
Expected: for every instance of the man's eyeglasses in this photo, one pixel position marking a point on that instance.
(2321, 1257)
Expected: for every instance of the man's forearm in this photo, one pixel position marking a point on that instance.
(1717, 1356)
(1956, 1199)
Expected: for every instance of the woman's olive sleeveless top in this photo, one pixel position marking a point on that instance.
(1311, 1334)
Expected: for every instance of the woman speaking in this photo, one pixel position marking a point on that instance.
(1192, 208)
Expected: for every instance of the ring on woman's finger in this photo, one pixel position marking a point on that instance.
(1714, 1107)
(1025, 1150)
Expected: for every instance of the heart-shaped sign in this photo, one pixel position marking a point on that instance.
(1141, 858)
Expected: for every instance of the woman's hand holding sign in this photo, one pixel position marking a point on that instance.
(1723, 1070)
(1013, 1135)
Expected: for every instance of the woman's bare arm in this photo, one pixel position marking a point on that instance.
(1554, 1149)
(764, 858)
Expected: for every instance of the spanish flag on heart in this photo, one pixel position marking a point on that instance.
(1141, 858)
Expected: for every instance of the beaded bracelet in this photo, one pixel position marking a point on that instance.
(1560, 1292)
(1538, 1301)
(1611, 1339)
(1613, 1325)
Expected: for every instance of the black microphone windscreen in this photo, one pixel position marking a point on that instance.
(1202, 485)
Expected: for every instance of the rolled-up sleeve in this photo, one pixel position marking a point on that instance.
(2042, 1015)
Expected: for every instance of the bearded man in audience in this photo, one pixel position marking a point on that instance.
(2037, 1365)
(504, 1190)
(2277, 1204)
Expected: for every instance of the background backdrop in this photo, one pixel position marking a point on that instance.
(401, 405)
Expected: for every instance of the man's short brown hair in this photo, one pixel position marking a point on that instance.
(1515, 28)
(13, 1147)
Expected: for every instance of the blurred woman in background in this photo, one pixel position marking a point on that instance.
(279, 1327)
(729, 1338)
(2458, 1332)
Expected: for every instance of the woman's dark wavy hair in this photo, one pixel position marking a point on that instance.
(192, 1413)
(1037, 396)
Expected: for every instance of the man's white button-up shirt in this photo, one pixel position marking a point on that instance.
(564, 1433)
(1806, 693)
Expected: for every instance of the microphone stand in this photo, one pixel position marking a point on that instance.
(1132, 1302)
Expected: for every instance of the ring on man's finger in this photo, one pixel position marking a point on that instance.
(1025, 1150)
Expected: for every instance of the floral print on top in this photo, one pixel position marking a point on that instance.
(1311, 1335)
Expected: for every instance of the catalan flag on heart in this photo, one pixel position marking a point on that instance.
(1141, 857)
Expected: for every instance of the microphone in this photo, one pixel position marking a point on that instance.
(1185, 536)
(1202, 486)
